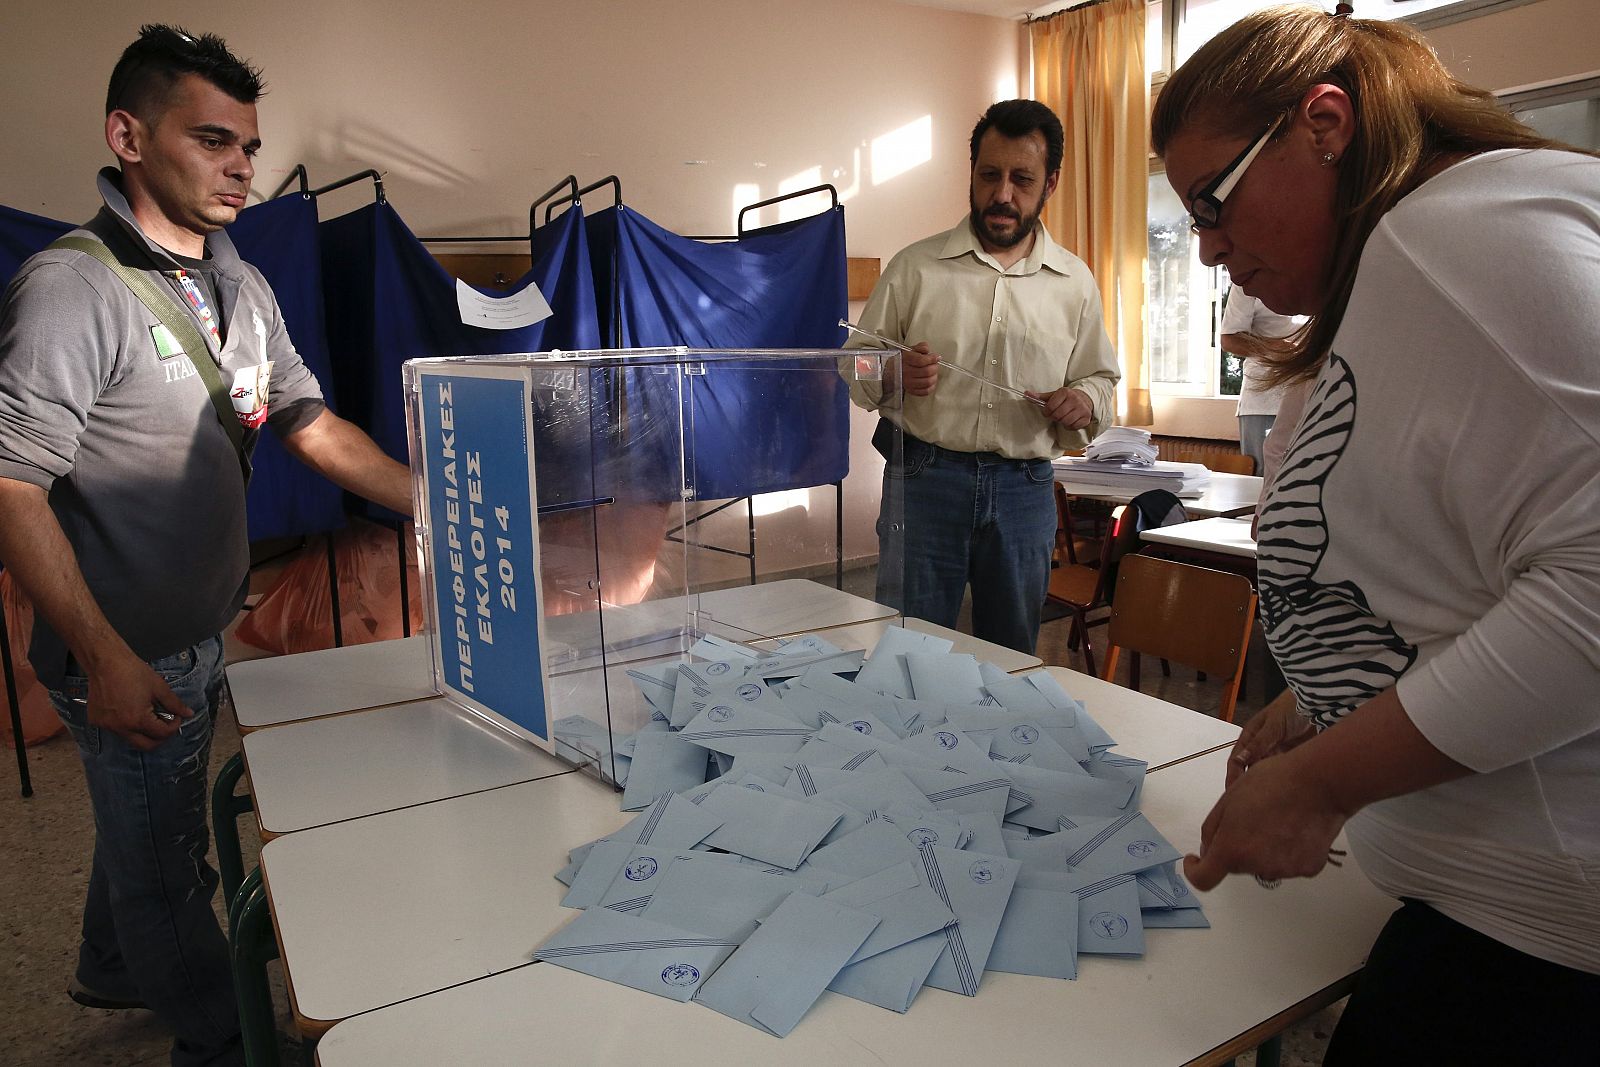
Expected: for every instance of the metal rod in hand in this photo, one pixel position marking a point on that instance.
(853, 328)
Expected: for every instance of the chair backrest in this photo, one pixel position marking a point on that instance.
(1228, 462)
(1193, 615)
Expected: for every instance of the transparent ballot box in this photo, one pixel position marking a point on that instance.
(588, 520)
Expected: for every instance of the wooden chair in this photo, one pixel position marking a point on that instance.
(1083, 587)
(1194, 615)
(1228, 463)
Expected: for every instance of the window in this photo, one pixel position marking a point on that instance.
(1181, 305)
(1566, 111)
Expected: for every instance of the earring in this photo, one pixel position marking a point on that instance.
(1327, 159)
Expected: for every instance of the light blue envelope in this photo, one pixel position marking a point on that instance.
(772, 980)
(984, 834)
(1106, 764)
(892, 979)
(1174, 919)
(819, 753)
(714, 648)
(793, 666)
(1023, 738)
(1109, 919)
(976, 887)
(884, 789)
(1039, 933)
(921, 828)
(698, 690)
(867, 851)
(766, 826)
(804, 645)
(968, 793)
(1123, 845)
(735, 728)
(1010, 691)
(952, 749)
(885, 670)
(599, 868)
(640, 873)
(662, 763)
(864, 723)
(656, 684)
(899, 896)
(775, 767)
(670, 822)
(806, 707)
(951, 677)
(1050, 795)
(892, 750)
(717, 896)
(636, 952)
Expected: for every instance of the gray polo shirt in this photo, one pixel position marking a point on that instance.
(98, 407)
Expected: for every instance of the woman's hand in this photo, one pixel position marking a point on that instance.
(1273, 822)
(1276, 729)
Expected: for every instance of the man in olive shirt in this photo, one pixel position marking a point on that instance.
(997, 297)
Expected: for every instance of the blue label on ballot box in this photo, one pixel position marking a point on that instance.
(483, 543)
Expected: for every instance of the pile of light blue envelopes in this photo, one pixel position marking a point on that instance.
(870, 827)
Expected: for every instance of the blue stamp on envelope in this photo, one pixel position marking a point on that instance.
(946, 739)
(640, 869)
(1136, 849)
(981, 872)
(748, 691)
(752, 785)
(860, 727)
(681, 974)
(1024, 735)
(1108, 925)
(718, 668)
(719, 713)
(923, 835)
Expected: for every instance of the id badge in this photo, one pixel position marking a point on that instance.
(249, 394)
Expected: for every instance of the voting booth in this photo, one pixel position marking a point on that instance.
(546, 485)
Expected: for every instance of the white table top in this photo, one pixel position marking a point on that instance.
(326, 770)
(308, 685)
(377, 910)
(1229, 537)
(1192, 991)
(1224, 492)
(1145, 727)
(865, 636)
(788, 607)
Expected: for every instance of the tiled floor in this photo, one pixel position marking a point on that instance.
(44, 866)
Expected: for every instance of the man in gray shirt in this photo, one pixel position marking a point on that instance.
(122, 505)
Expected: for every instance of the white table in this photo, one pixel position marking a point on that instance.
(1196, 995)
(373, 911)
(788, 607)
(1146, 727)
(1224, 492)
(308, 685)
(343, 767)
(865, 636)
(1224, 537)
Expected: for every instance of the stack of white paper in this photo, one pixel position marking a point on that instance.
(1182, 479)
(868, 828)
(1122, 444)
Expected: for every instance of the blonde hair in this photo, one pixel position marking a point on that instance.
(1410, 115)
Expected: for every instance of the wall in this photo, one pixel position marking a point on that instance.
(473, 110)
(1536, 42)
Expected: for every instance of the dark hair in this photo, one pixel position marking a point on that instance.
(1018, 118)
(150, 67)
(1410, 114)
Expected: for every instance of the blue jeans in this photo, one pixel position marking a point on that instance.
(148, 929)
(969, 517)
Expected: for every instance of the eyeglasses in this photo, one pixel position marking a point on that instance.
(1206, 208)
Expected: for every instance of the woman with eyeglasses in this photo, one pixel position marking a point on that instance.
(1430, 550)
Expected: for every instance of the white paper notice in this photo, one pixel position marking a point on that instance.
(501, 312)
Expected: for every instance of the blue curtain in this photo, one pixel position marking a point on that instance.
(388, 300)
(746, 431)
(21, 235)
(279, 238)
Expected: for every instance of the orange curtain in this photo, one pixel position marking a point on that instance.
(1088, 66)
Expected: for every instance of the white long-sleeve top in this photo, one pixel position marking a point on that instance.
(1436, 526)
